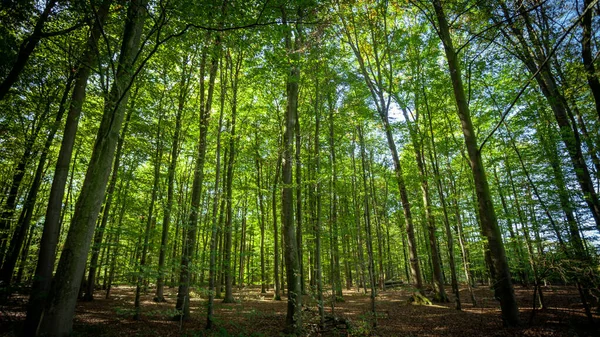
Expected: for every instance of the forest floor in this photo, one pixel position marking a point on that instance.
(256, 314)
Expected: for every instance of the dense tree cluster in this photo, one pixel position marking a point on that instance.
(301, 146)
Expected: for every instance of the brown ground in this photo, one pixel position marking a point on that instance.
(258, 315)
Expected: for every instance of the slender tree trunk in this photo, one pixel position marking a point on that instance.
(151, 220)
(524, 225)
(367, 214)
(503, 286)
(292, 263)
(261, 208)
(440, 189)
(275, 230)
(356, 217)
(183, 293)
(318, 225)
(234, 67)
(417, 141)
(336, 274)
(212, 274)
(184, 86)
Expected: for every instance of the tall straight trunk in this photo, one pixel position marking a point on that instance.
(243, 249)
(318, 224)
(189, 244)
(151, 220)
(367, 214)
(277, 284)
(58, 314)
(234, 67)
(50, 234)
(335, 250)
(376, 214)
(24, 256)
(299, 201)
(26, 49)
(26, 214)
(99, 233)
(212, 272)
(184, 86)
(415, 269)
(586, 53)
(489, 224)
(261, 209)
(360, 253)
(292, 263)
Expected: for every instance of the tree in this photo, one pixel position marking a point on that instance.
(503, 287)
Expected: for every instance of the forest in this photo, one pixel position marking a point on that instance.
(299, 168)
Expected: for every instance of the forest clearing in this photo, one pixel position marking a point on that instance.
(299, 167)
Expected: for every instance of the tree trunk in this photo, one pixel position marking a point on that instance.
(151, 217)
(189, 243)
(369, 238)
(182, 98)
(318, 225)
(292, 263)
(212, 273)
(417, 141)
(234, 70)
(502, 286)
